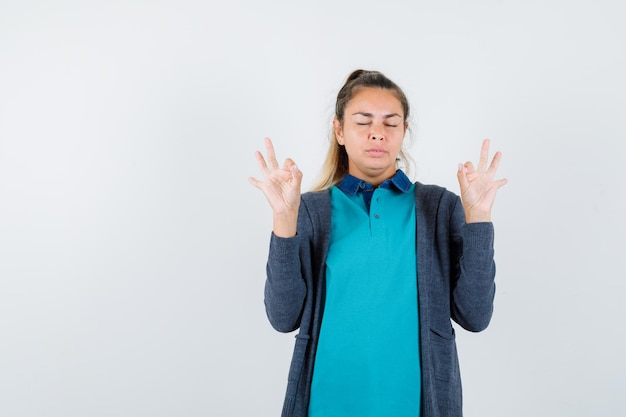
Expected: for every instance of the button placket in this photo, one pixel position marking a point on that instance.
(375, 205)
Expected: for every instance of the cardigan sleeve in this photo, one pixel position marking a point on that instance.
(473, 271)
(285, 287)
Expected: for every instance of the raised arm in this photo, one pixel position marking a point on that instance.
(285, 289)
(472, 234)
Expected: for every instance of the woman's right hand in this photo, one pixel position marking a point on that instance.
(281, 187)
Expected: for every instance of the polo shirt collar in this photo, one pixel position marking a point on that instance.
(351, 185)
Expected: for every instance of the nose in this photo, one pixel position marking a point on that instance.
(376, 133)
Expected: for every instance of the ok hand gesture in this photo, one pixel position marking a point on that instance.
(281, 187)
(478, 186)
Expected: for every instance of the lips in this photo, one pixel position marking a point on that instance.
(376, 152)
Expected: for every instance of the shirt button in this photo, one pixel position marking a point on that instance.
(377, 215)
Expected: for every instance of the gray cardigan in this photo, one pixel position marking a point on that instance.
(455, 281)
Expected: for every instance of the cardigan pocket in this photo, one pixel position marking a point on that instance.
(297, 361)
(443, 353)
(447, 379)
(446, 334)
(295, 372)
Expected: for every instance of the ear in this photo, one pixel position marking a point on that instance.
(338, 131)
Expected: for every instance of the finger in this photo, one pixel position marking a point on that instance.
(495, 162)
(469, 167)
(502, 182)
(484, 156)
(296, 174)
(255, 182)
(462, 177)
(262, 164)
(271, 155)
(288, 163)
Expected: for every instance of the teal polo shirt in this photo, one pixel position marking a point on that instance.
(367, 359)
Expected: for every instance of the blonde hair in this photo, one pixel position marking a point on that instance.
(335, 166)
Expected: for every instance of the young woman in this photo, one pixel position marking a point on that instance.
(371, 268)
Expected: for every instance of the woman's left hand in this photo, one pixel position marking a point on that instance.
(479, 187)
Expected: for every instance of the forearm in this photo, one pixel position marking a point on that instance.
(474, 289)
(285, 289)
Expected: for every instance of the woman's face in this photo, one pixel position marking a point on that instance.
(372, 132)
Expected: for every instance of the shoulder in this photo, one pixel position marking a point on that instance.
(436, 202)
(438, 207)
(315, 208)
(316, 200)
(431, 192)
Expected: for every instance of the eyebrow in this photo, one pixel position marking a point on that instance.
(387, 116)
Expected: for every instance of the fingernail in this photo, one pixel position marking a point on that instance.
(460, 167)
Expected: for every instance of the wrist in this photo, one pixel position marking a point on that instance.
(285, 224)
(473, 217)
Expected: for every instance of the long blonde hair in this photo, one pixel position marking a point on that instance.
(335, 166)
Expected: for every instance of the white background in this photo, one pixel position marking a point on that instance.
(132, 248)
